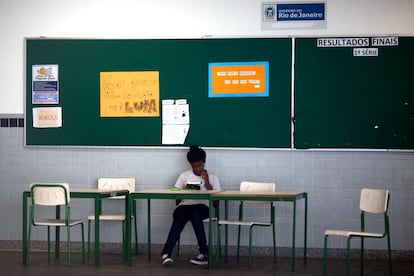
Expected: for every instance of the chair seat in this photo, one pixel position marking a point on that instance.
(346, 233)
(108, 217)
(240, 220)
(245, 223)
(57, 222)
(212, 219)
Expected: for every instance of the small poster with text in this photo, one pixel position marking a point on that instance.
(45, 84)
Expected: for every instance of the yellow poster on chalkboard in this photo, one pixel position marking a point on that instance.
(129, 94)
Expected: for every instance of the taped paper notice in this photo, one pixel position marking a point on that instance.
(47, 117)
(175, 121)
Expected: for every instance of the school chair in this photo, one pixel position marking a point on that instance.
(116, 184)
(52, 195)
(251, 187)
(372, 201)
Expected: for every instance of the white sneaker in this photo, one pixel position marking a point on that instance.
(201, 259)
(166, 260)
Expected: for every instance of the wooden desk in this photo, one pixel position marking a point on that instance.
(172, 194)
(97, 195)
(276, 196)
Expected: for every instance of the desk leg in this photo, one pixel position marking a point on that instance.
(210, 236)
(24, 230)
(149, 228)
(226, 230)
(57, 234)
(293, 235)
(127, 239)
(306, 231)
(97, 223)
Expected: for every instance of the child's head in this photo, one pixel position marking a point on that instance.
(197, 157)
(196, 154)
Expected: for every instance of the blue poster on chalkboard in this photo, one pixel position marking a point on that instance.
(45, 84)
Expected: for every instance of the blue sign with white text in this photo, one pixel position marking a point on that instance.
(300, 12)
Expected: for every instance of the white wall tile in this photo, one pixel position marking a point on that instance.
(333, 180)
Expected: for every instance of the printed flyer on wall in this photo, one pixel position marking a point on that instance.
(45, 84)
(175, 121)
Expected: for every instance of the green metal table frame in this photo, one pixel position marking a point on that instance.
(181, 194)
(277, 196)
(97, 196)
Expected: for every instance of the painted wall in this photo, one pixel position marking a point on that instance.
(333, 179)
(164, 18)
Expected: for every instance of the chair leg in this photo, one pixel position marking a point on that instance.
(274, 244)
(48, 244)
(348, 257)
(68, 234)
(28, 241)
(273, 221)
(218, 243)
(89, 238)
(136, 235)
(213, 238)
(250, 246)
(362, 257)
(238, 244)
(389, 254)
(134, 213)
(69, 246)
(83, 244)
(124, 253)
(325, 254)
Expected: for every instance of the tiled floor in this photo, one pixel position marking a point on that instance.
(112, 264)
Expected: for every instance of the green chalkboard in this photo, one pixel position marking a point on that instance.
(347, 101)
(183, 74)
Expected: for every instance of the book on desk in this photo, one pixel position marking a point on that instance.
(193, 185)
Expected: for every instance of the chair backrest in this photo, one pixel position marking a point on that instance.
(374, 200)
(119, 183)
(50, 194)
(247, 186)
(122, 183)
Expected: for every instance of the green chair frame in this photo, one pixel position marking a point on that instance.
(372, 201)
(53, 195)
(117, 183)
(258, 187)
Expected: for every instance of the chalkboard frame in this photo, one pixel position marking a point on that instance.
(232, 123)
(344, 101)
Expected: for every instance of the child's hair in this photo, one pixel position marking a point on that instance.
(196, 154)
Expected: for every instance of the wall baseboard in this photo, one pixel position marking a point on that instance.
(282, 252)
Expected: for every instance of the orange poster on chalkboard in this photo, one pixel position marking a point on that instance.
(238, 79)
